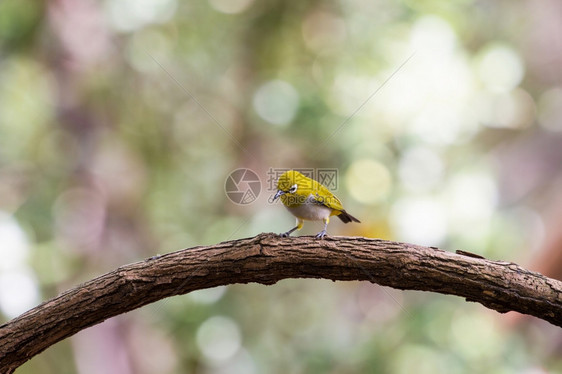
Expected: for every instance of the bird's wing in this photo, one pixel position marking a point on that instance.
(323, 196)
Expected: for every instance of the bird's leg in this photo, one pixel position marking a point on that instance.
(288, 233)
(297, 227)
(323, 233)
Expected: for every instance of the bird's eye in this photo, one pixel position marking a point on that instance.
(293, 188)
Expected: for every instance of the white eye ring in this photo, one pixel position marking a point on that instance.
(293, 188)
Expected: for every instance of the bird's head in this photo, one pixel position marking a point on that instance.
(293, 183)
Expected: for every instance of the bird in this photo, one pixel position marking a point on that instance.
(309, 200)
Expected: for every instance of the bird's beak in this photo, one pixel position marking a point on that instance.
(279, 193)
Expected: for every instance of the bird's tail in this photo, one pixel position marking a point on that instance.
(346, 217)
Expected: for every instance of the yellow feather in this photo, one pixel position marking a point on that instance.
(309, 200)
(306, 187)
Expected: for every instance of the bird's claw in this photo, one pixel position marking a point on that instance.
(321, 234)
(285, 234)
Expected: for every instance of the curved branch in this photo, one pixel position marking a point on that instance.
(266, 259)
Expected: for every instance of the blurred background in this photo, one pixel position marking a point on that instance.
(121, 120)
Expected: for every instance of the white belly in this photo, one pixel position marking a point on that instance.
(310, 211)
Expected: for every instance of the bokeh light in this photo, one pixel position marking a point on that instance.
(219, 339)
(15, 246)
(19, 290)
(472, 199)
(231, 6)
(500, 68)
(420, 169)
(276, 102)
(421, 220)
(209, 295)
(368, 181)
(120, 120)
(129, 15)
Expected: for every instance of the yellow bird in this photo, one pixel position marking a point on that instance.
(309, 200)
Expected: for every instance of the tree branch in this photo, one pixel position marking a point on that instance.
(266, 259)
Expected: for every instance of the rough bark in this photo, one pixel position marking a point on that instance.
(266, 259)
